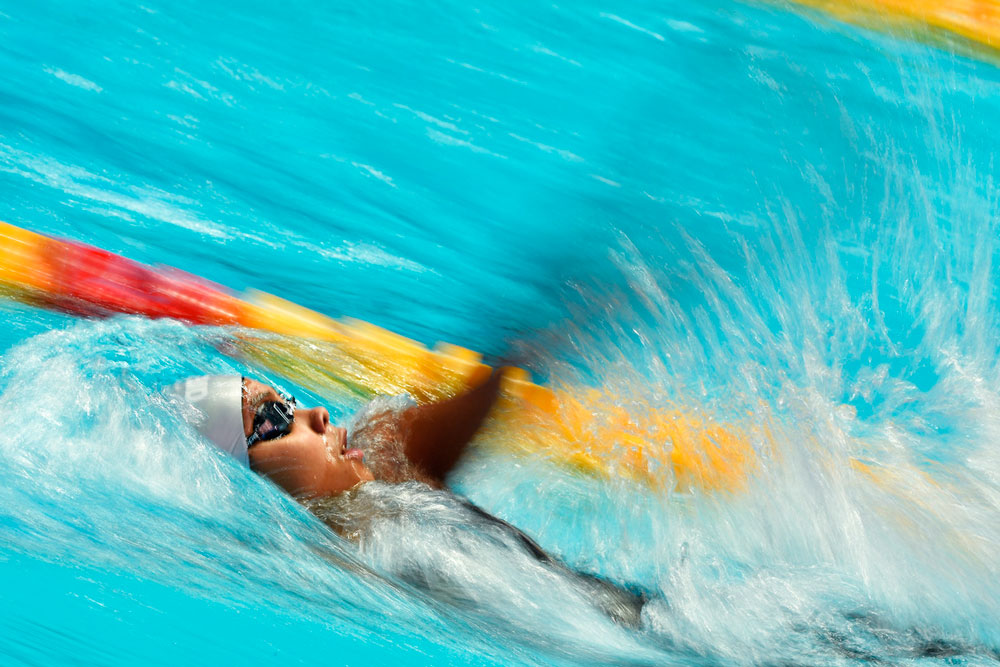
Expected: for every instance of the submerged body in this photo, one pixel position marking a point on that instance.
(464, 555)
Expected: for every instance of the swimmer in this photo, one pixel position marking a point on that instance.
(303, 453)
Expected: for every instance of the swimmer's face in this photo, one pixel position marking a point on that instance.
(312, 459)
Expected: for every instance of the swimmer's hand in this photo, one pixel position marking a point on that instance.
(436, 435)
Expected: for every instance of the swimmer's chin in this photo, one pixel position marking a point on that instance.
(355, 457)
(364, 476)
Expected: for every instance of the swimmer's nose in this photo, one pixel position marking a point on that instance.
(319, 419)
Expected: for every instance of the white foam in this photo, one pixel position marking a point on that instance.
(73, 79)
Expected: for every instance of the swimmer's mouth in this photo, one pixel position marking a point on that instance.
(345, 451)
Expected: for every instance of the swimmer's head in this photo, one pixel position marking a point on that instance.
(305, 455)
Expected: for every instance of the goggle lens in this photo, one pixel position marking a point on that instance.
(272, 420)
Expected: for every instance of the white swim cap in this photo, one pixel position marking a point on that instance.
(218, 410)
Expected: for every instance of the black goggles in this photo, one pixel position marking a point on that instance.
(272, 420)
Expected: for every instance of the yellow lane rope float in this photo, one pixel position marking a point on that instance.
(579, 428)
(975, 20)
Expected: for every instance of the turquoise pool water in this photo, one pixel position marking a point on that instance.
(734, 206)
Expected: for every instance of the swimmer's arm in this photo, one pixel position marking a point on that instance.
(435, 436)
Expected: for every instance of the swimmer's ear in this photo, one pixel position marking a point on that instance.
(435, 436)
